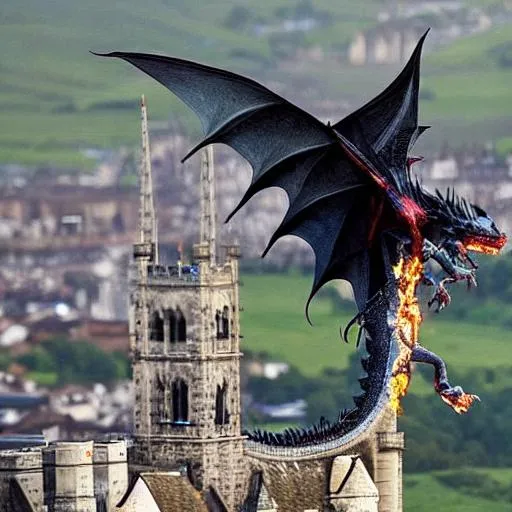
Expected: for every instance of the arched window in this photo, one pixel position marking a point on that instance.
(218, 329)
(177, 326)
(179, 401)
(158, 404)
(221, 406)
(156, 327)
(173, 326)
(225, 322)
(182, 326)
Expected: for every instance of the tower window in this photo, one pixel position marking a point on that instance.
(158, 405)
(156, 327)
(221, 407)
(172, 325)
(218, 324)
(225, 322)
(179, 401)
(182, 326)
(177, 326)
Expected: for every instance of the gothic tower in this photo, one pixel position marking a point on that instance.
(184, 337)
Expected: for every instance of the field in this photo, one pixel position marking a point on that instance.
(57, 99)
(425, 492)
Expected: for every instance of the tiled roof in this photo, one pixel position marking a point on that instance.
(295, 486)
(174, 492)
(36, 421)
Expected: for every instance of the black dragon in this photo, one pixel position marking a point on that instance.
(353, 200)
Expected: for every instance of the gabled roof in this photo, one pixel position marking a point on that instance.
(18, 497)
(292, 486)
(350, 479)
(170, 491)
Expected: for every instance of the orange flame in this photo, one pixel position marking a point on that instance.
(460, 404)
(482, 248)
(408, 273)
(485, 244)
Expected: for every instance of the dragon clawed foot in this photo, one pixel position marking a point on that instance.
(441, 297)
(455, 397)
(468, 275)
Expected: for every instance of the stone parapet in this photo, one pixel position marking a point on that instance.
(390, 441)
(21, 460)
(69, 477)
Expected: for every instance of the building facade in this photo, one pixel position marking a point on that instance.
(185, 343)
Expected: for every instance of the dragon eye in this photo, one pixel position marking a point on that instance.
(485, 221)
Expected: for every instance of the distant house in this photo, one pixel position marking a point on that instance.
(478, 174)
(290, 410)
(394, 38)
(387, 43)
(444, 169)
(109, 335)
(272, 370)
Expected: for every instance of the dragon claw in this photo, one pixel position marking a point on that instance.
(456, 397)
(442, 297)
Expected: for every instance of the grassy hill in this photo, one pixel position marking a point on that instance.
(427, 492)
(56, 98)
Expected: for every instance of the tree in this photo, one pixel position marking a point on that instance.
(238, 18)
(81, 361)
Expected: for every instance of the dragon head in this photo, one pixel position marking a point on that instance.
(482, 234)
(465, 227)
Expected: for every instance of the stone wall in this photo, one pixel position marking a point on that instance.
(27, 468)
(216, 462)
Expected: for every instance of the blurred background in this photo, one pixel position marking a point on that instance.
(69, 158)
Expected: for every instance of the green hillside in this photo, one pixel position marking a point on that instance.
(436, 491)
(56, 98)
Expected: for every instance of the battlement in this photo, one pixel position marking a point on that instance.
(24, 459)
(112, 451)
(177, 276)
(173, 275)
(72, 476)
(391, 440)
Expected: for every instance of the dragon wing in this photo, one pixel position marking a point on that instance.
(386, 128)
(329, 173)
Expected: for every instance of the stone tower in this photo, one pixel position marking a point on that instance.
(184, 337)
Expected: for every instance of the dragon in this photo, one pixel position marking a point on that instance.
(354, 200)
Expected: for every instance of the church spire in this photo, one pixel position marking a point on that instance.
(208, 234)
(147, 217)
